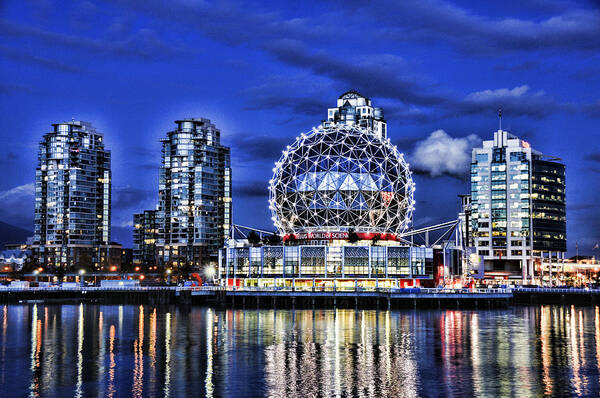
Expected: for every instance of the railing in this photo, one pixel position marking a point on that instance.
(82, 288)
(316, 289)
(359, 289)
(570, 290)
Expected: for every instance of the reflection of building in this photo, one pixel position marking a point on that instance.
(72, 196)
(145, 233)
(518, 206)
(194, 213)
(340, 196)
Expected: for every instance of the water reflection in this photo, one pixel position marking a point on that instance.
(89, 350)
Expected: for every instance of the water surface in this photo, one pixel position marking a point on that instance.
(113, 351)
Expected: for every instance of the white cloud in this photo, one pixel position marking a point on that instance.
(488, 95)
(516, 101)
(441, 154)
(17, 206)
(18, 191)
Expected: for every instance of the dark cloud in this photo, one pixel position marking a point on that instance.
(251, 189)
(581, 206)
(438, 21)
(518, 101)
(382, 75)
(131, 197)
(22, 57)
(586, 74)
(249, 147)
(593, 110)
(523, 66)
(237, 23)
(594, 157)
(307, 106)
(14, 88)
(405, 143)
(122, 235)
(8, 159)
(83, 15)
(143, 44)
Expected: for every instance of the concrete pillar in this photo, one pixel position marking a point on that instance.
(531, 271)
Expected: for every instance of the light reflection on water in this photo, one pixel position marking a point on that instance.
(91, 350)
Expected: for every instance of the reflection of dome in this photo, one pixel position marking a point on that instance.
(340, 177)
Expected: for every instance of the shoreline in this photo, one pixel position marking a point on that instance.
(370, 299)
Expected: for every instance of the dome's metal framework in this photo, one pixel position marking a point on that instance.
(340, 177)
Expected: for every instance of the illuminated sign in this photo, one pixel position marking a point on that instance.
(322, 235)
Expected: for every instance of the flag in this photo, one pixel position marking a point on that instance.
(596, 247)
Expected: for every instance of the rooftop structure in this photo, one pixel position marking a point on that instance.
(354, 109)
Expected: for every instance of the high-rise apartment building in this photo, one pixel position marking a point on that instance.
(72, 196)
(145, 235)
(194, 214)
(518, 207)
(354, 109)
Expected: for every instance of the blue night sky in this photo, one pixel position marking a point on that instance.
(264, 72)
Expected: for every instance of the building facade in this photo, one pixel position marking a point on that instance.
(341, 195)
(518, 207)
(194, 213)
(72, 196)
(387, 264)
(145, 235)
(354, 109)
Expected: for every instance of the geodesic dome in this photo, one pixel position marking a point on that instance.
(340, 177)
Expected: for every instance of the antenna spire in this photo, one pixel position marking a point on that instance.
(500, 117)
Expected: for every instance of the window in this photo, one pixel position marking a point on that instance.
(482, 158)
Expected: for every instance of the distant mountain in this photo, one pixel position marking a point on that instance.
(11, 234)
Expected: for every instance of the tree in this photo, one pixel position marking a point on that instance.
(291, 240)
(352, 236)
(375, 239)
(272, 240)
(253, 238)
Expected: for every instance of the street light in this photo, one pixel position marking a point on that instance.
(210, 272)
(81, 277)
(169, 275)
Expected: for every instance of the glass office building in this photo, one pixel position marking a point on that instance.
(518, 207)
(72, 196)
(194, 212)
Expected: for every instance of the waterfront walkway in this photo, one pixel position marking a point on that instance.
(301, 297)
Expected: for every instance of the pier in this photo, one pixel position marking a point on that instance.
(265, 297)
(249, 297)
